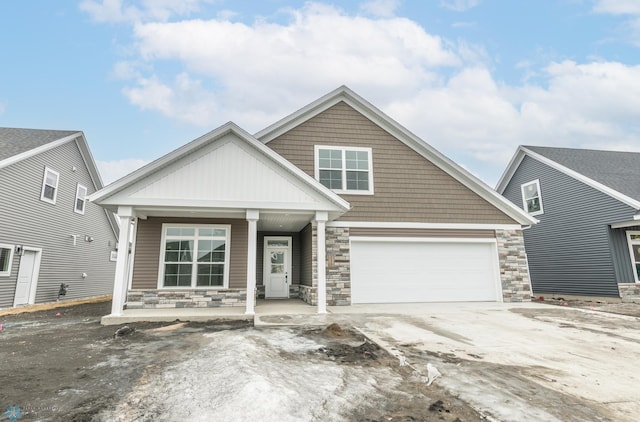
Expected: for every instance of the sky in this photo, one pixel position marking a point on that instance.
(473, 78)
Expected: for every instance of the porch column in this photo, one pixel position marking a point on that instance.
(121, 280)
(321, 220)
(252, 241)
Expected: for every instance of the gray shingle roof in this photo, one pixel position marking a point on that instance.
(15, 141)
(618, 170)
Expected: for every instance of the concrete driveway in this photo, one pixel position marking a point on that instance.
(517, 361)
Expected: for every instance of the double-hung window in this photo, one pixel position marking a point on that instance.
(6, 256)
(194, 256)
(50, 185)
(81, 199)
(344, 169)
(531, 198)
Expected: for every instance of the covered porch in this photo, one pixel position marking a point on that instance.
(218, 223)
(266, 255)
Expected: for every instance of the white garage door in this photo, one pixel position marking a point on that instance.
(386, 271)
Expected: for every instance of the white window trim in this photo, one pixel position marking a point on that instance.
(631, 244)
(227, 255)
(84, 199)
(345, 191)
(11, 248)
(44, 183)
(524, 200)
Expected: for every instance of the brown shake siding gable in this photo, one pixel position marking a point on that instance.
(149, 237)
(407, 187)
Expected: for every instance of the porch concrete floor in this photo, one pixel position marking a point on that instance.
(280, 312)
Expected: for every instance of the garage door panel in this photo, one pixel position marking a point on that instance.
(398, 271)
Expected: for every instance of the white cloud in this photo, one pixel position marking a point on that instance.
(630, 29)
(111, 171)
(443, 91)
(249, 65)
(381, 8)
(147, 10)
(459, 5)
(617, 7)
(3, 107)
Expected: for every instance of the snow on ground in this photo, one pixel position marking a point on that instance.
(249, 375)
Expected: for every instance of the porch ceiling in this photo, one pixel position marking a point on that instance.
(277, 221)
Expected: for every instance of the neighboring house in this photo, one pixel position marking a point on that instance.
(587, 242)
(335, 204)
(49, 233)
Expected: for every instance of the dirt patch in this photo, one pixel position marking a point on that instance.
(62, 365)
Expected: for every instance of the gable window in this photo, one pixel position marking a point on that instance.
(634, 248)
(81, 199)
(6, 257)
(194, 256)
(50, 185)
(531, 198)
(344, 169)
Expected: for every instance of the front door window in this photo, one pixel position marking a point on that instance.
(277, 268)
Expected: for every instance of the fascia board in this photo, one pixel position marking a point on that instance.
(310, 181)
(584, 179)
(102, 196)
(510, 170)
(38, 150)
(447, 165)
(166, 159)
(305, 113)
(398, 131)
(96, 179)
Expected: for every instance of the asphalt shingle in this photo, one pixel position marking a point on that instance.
(14, 141)
(618, 170)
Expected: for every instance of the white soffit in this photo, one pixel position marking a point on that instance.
(225, 171)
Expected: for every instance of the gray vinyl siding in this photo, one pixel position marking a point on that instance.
(621, 256)
(306, 256)
(570, 250)
(407, 187)
(28, 221)
(295, 256)
(148, 243)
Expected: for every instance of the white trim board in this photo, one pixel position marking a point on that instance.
(398, 131)
(522, 152)
(402, 225)
(423, 239)
(38, 150)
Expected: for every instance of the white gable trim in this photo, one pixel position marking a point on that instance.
(38, 150)
(108, 195)
(404, 135)
(522, 152)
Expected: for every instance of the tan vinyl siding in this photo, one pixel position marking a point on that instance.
(28, 221)
(306, 256)
(393, 232)
(295, 256)
(147, 254)
(407, 187)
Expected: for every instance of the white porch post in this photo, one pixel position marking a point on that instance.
(121, 280)
(321, 220)
(252, 241)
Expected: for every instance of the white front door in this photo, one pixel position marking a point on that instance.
(25, 287)
(277, 267)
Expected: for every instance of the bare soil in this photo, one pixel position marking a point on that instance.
(62, 365)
